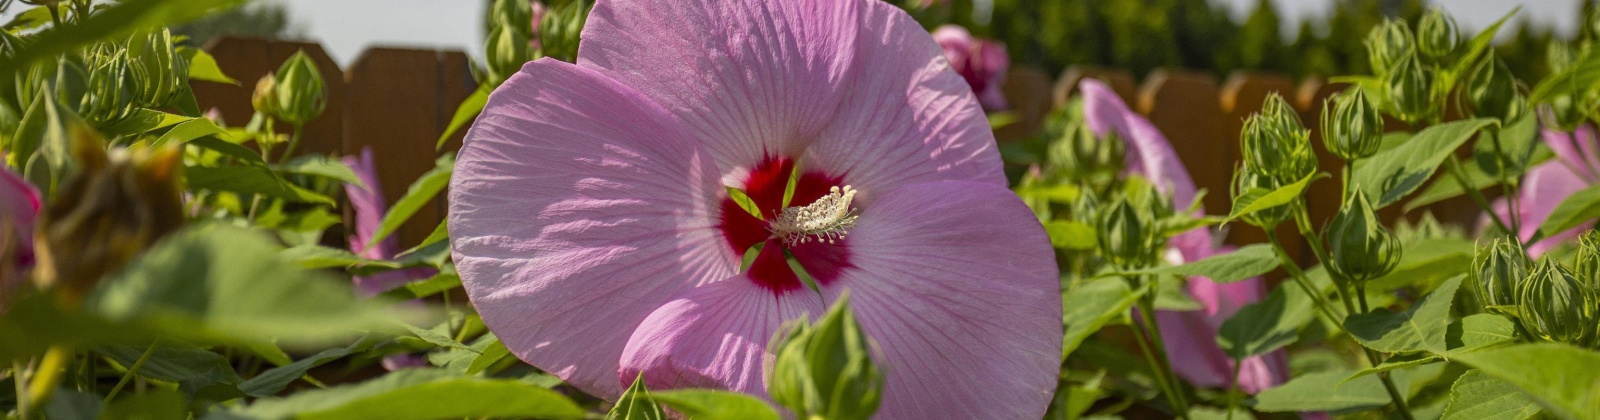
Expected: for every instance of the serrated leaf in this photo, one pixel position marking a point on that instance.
(1428, 261)
(703, 404)
(1243, 263)
(1575, 210)
(635, 404)
(1089, 307)
(274, 380)
(1256, 199)
(1266, 325)
(438, 339)
(1393, 174)
(249, 180)
(1395, 363)
(417, 195)
(1479, 331)
(1422, 328)
(1477, 396)
(321, 166)
(1321, 391)
(494, 354)
(191, 367)
(1560, 377)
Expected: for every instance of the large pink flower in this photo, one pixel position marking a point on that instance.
(594, 231)
(1576, 166)
(368, 206)
(19, 208)
(1191, 342)
(981, 62)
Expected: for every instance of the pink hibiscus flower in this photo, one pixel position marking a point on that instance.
(1190, 336)
(369, 207)
(19, 208)
(594, 231)
(1576, 166)
(981, 62)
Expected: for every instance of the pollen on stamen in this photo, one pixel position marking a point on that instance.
(828, 219)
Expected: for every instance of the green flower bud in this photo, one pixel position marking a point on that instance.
(112, 209)
(512, 14)
(1587, 264)
(1556, 306)
(1387, 44)
(1437, 35)
(159, 72)
(1080, 154)
(505, 53)
(1493, 92)
(1275, 144)
(108, 95)
(300, 94)
(1497, 272)
(559, 29)
(265, 98)
(1126, 236)
(1245, 181)
(1086, 209)
(1410, 88)
(1352, 128)
(1360, 247)
(825, 370)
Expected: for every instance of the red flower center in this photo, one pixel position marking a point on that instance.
(765, 185)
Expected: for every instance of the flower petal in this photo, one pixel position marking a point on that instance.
(751, 78)
(1543, 189)
(577, 207)
(1149, 152)
(368, 204)
(1190, 336)
(908, 118)
(957, 284)
(714, 336)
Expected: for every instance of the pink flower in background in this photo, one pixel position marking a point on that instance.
(981, 62)
(1576, 166)
(19, 208)
(594, 231)
(366, 201)
(1190, 336)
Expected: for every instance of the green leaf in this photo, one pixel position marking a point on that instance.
(1066, 234)
(1559, 376)
(635, 404)
(1476, 395)
(1391, 175)
(152, 404)
(249, 180)
(1056, 193)
(202, 66)
(228, 283)
(1214, 413)
(109, 22)
(465, 113)
(1422, 328)
(191, 367)
(418, 394)
(1264, 326)
(1446, 188)
(1579, 78)
(429, 287)
(272, 381)
(1257, 199)
(69, 404)
(703, 404)
(190, 130)
(1481, 42)
(1321, 392)
(322, 166)
(144, 120)
(1577, 209)
(230, 149)
(1395, 363)
(318, 256)
(1427, 262)
(438, 339)
(1089, 307)
(417, 195)
(495, 354)
(1479, 331)
(1250, 261)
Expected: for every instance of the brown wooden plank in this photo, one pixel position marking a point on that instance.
(1183, 105)
(1066, 86)
(1027, 91)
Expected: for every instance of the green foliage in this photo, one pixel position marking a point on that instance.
(1422, 328)
(1393, 174)
(1264, 326)
(416, 394)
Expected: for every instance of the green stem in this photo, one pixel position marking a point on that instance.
(1233, 391)
(20, 380)
(1372, 356)
(294, 140)
(1302, 220)
(44, 380)
(1299, 277)
(128, 376)
(1453, 166)
(1157, 367)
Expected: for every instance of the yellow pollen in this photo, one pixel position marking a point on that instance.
(828, 219)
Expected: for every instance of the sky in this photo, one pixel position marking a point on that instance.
(345, 27)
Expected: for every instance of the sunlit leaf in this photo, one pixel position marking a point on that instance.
(1393, 174)
(1421, 328)
(1476, 396)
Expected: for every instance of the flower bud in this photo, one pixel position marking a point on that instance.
(1126, 236)
(1387, 44)
(558, 31)
(265, 98)
(1437, 35)
(1410, 88)
(1497, 272)
(1360, 247)
(108, 95)
(112, 209)
(1245, 181)
(1587, 265)
(299, 90)
(513, 15)
(1080, 154)
(159, 72)
(1492, 92)
(825, 370)
(1556, 307)
(1352, 128)
(1275, 144)
(505, 53)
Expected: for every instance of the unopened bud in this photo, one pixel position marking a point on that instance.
(505, 53)
(1587, 264)
(1410, 88)
(558, 31)
(1437, 35)
(108, 97)
(159, 72)
(825, 370)
(1387, 44)
(265, 98)
(1080, 154)
(300, 94)
(1127, 238)
(1352, 128)
(1556, 307)
(1275, 144)
(513, 15)
(112, 209)
(1360, 247)
(1497, 272)
(1493, 92)
(1247, 182)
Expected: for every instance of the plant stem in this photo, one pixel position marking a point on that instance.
(1157, 358)
(1302, 220)
(294, 140)
(131, 371)
(1299, 277)
(1453, 166)
(20, 380)
(45, 379)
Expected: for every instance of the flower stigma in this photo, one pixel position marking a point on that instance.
(829, 219)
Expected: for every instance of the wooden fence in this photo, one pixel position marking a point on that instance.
(397, 101)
